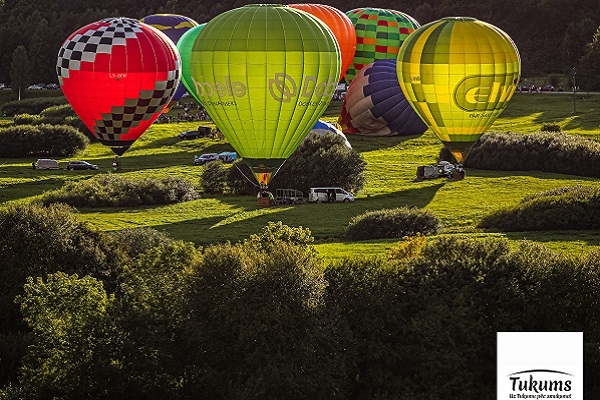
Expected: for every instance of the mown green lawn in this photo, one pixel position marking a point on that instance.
(391, 167)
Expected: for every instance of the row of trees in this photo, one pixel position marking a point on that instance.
(135, 314)
(552, 36)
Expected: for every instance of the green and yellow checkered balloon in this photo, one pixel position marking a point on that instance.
(379, 34)
(459, 75)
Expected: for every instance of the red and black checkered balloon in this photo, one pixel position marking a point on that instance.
(118, 74)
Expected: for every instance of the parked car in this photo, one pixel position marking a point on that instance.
(205, 158)
(46, 163)
(192, 134)
(80, 165)
(329, 195)
(228, 156)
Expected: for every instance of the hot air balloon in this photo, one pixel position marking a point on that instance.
(118, 74)
(265, 74)
(185, 44)
(379, 35)
(340, 25)
(174, 26)
(459, 75)
(375, 105)
(326, 128)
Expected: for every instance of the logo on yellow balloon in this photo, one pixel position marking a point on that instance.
(483, 92)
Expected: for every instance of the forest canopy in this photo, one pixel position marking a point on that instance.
(552, 35)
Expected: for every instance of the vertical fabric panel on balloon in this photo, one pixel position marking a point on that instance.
(185, 44)
(459, 74)
(265, 74)
(118, 74)
(340, 25)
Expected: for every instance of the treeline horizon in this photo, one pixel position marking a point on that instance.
(551, 36)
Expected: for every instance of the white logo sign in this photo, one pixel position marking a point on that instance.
(540, 365)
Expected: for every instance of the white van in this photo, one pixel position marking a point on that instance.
(329, 195)
(46, 163)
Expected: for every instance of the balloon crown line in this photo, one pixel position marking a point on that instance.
(459, 19)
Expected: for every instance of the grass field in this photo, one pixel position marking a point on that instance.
(391, 167)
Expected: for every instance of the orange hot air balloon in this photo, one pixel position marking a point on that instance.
(341, 26)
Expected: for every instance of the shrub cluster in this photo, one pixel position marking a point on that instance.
(263, 319)
(566, 208)
(31, 106)
(214, 178)
(56, 115)
(544, 151)
(393, 223)
(109, 190)
(41, 140)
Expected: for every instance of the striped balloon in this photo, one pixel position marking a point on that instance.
(459, 75)
(379, 35)
(375, 105)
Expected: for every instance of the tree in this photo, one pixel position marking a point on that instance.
(71, 328)
(322, 160)
(588, 76)
(19, 70)
(42, 61)
(575, 39)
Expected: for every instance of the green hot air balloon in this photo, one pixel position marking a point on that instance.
(184, 45)
(459, 75)
(265, 74)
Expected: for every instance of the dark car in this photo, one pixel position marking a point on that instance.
(193, 134)
(80, 165)
(204, 158)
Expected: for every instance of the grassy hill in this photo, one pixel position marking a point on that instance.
(391, 167)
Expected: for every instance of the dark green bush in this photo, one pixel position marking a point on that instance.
(214, 177)
(544, 151)
(36, 241)
(136, 241)
(31, 106)
(565, 208)
(111, 190)
(41, 140)
(550, 127)
(260, 328)
(27, 119)
(393, 223)
(241, 180)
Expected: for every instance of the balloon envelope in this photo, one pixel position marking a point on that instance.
(185, 45)
(326, 128)
(459, 75)
(174, 26)
(340, 25)
(376, 106)
(118, 74)
(379, 35)
(265, 74)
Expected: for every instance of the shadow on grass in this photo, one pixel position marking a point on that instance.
(556, 106)
(23, 190)
(327, 222)
(589, 237)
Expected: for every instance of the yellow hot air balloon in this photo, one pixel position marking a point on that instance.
(459, 74)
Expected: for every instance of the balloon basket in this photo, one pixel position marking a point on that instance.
(264, 202)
